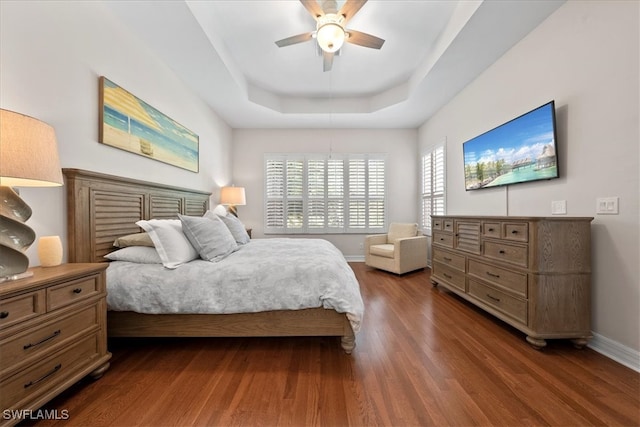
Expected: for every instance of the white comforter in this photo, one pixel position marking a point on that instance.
(264, 275)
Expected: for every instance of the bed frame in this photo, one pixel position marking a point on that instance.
(102, 207)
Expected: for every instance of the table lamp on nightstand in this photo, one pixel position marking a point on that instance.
(232, 197)
(28, 158)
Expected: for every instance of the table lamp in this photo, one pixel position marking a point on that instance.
(28, 158)
(232, 197)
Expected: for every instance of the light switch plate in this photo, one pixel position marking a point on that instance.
(559, 207)
(607, 205)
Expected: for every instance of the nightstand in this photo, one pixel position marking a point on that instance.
(52, 334)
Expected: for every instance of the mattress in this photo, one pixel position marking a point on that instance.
(263, 275)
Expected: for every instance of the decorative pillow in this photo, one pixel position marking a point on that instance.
(137, 254)
(137, 239)
(172, 245)
(211, 238)
(235, 226)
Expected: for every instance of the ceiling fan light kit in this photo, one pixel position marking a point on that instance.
(330, 31)
(330, 36)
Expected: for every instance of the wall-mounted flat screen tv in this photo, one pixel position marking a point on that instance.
(521, 150)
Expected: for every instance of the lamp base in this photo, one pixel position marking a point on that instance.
(15, 235)
(16, 277)
(233, 210)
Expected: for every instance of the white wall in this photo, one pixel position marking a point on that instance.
(250, 145)
(52, 54)
(585, 56)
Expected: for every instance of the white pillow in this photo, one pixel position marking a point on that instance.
(137, 254)
(172, 245)
(235, 226)
(211, 238)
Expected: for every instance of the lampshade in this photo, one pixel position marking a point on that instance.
(28, 158)
(232, 196)
(28, 152)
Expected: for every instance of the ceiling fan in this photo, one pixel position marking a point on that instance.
(330, 30)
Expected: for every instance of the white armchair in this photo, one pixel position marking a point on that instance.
(399, 251)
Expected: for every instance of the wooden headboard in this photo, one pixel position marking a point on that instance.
(101, 208)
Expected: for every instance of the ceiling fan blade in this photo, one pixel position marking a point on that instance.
(300, 38)
(327, 61)
(364, 39)
(350, 8)
(313, 8)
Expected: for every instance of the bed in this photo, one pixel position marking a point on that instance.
(101, 208)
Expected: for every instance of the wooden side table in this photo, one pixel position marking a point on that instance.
(52, 334)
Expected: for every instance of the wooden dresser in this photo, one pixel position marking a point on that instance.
(532, 272)
(52, 333)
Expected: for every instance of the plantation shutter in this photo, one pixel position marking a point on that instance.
(376, 196)
(320, 194)
(335, 194)
(274, 194)
(316, 194)
(295, 188)
(433, 186)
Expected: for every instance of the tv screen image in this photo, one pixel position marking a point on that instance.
(521, 150)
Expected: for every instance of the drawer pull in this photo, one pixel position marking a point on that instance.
(491, 229)
(497, 276)
(77, 290)
(50, 337)
(442, 239)
(501, 251)
(448, 225)
(447, 259)
(493, 298)
(4, 314)
(514, 231)
(447, 276)
(45, 376)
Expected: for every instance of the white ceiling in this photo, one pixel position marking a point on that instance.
(225, 51)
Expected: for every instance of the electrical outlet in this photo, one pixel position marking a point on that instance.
(607, 205)
(559, 207)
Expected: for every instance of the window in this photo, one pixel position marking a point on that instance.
(325, 194)
(433, 186)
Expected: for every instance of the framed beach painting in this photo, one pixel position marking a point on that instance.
(129, 123)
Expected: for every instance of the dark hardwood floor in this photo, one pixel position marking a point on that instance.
(423, 358)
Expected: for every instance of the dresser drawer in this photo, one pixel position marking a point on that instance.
(510, 280)
(436, 224)
(443, 239)
(46, 374)
(491, 229)
(517, 231)
(450, 259)
(449, 275)
(34, 343)
(513, 307)
(70, 292)
(505, 252)
(21, 308)
(447, 225)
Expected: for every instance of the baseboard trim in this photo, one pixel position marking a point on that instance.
(354, 258)
(616, 351)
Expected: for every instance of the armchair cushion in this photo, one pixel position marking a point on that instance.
(399, 230)
(385, 250)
